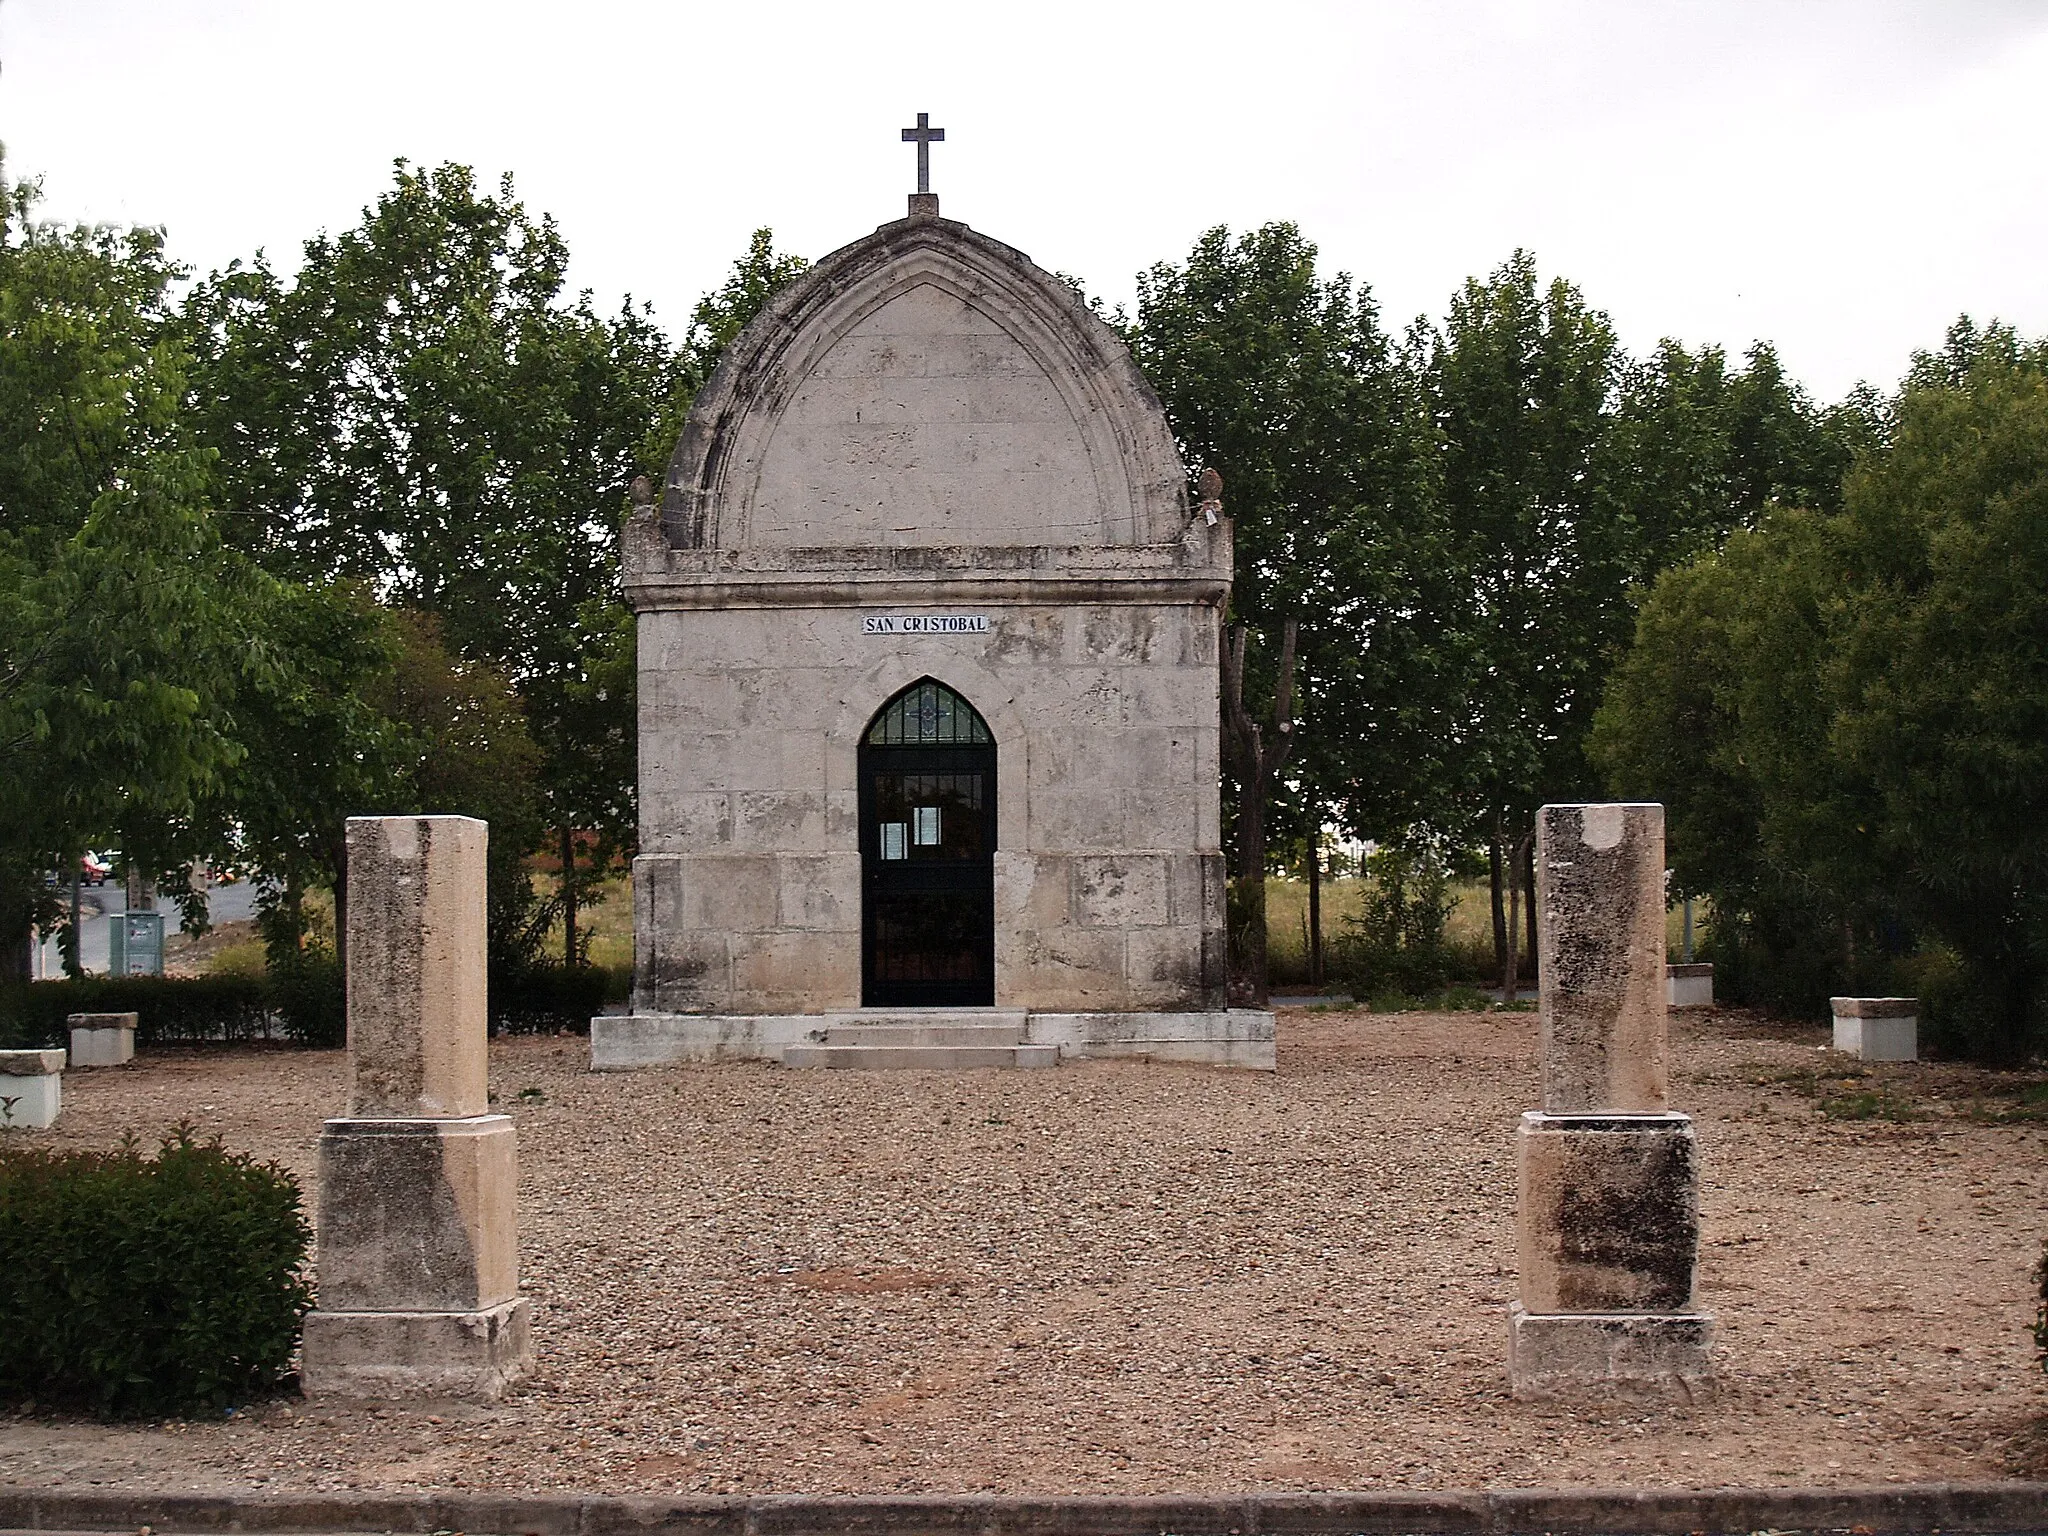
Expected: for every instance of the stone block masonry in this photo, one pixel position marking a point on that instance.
(31, 1088)
(1608, 1180)
(102, 1039)
(419, 1250)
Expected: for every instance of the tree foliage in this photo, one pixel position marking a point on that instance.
(422, 410)
(124, 621)
(1284, 383)
(1847, 710)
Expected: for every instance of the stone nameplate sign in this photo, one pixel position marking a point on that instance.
(924, 624)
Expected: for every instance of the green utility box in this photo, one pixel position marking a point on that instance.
(135, 944)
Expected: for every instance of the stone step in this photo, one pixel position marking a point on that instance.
(930, 1058)
(924, 1034)
(1012, 1019)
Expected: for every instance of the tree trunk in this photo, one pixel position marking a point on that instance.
(340, 854)
(1256, 763)
(1500, 919)
(568, 898)
(74, 940)
(1511, 965)
(1315, 908)
(1529, 891)
(1250, 916)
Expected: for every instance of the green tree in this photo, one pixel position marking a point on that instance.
(1847, 712)
(316, 750)
(468, 753)
(123, 620)
(423, 410)
(1283, 382)
(1522, 380)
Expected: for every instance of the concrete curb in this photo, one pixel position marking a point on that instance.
(1921, 1507)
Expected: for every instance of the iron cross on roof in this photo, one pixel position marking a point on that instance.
(924, 136)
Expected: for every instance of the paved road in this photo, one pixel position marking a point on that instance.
(224, 904)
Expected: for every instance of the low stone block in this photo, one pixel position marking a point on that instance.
(417, 1354)
(1608, 1212)
(1236, 1037)
(626, 1042)
(1877, 1028)
(31, 1088)
(102, 1039)
(418, 1215)
(1689, 986)
(1651, 1356)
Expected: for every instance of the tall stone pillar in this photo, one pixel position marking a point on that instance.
(1609, 1190)
(419, 1248)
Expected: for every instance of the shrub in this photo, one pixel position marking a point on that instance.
(540, 999)
(169, 1008)
(304, 1002)
(309, 997)
(134, 1285)
(1396, 945)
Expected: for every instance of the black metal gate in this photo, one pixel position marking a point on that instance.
(927, 843)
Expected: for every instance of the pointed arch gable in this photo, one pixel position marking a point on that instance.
(925, 386)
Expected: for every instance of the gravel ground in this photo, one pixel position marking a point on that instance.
(1127, 1278)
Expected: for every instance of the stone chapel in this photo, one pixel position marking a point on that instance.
(928, 682)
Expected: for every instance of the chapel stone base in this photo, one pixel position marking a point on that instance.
(968, 1037)
(417, 1354)
(1648, 1356)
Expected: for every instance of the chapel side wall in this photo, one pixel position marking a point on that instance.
(1108, 871)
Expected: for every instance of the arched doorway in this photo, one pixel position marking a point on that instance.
(927, 852)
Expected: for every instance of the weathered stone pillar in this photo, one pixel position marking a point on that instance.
(1609, 1191)
(419, 1250)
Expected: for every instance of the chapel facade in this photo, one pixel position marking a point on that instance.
(928, 711)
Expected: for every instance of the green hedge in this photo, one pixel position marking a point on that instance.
(305, 1004)
(543, 999)
(134, 1285)
(304, 1007)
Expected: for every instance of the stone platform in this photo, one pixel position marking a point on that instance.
(935, 1038)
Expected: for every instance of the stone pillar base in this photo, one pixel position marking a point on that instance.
(417, 1354)
(1646, 1355)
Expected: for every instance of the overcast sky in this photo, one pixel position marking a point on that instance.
(1839, 176)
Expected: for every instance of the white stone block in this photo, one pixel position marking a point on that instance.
(1688, 986)
(1233, 1038)
(102, 1039)
(31, 1088)
(1877, 1028)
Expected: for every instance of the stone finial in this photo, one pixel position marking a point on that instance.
(417, 1031)
(1600, 951)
